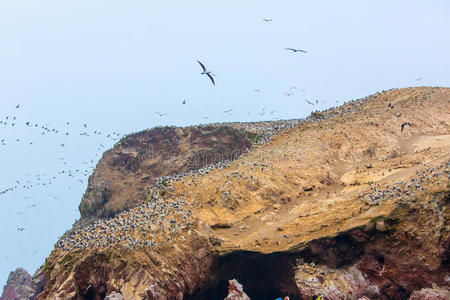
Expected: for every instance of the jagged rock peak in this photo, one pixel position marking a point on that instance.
(18, 286)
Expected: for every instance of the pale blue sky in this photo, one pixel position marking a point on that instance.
(111, 64)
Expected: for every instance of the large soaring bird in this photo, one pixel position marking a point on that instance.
(296, 50)
(206, 72)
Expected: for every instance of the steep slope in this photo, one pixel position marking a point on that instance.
(119, 182)
(344, 205)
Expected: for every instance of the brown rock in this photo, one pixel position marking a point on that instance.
(18, 286)
(235, 291)
(430, 294)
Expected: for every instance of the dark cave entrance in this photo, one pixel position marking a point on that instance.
(263, 276)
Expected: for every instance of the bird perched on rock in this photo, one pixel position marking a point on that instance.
(206, 72)
(404, 124)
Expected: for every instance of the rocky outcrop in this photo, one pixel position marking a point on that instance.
(19, 286)
(236, 291)
(345, 205)
(123, 174)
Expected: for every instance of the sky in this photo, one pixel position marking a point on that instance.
(91, 68)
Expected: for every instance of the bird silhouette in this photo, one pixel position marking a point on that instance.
(160, 114)
(296, 50)
(405, 124)
(206, 72)
(309, 102)
(267, 20)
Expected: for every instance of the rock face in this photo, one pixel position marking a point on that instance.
(236, 291)
(18, 286)
(124, 172)
(346, 205)
(431, 294)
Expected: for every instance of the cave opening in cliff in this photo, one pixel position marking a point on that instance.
(263, 276)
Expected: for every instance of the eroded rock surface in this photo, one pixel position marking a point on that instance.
(345, 206)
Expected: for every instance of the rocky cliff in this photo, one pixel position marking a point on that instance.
(121, 177)
(350, 203)
(21, 285)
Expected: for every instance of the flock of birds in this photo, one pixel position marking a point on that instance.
(78, 171)
(409, 190)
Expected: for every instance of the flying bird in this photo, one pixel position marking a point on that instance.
(206, 72)
(17, 105)
(309, 102)
(404, 124)
(184, 101)
(160, 114)
(418, 79)
(267, 20)
(257, 90)
(296, 50)
(289, 94)
(227, 111)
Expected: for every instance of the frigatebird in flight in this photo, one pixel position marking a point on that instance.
(206, 72)
(296, 50)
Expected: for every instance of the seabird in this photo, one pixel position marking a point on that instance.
(267, 20)
(17, 105)
(184, 101)
(309, 102)
(296, 50)
(160, 114)
(404, 124)
(227, 111)
(206, 72)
